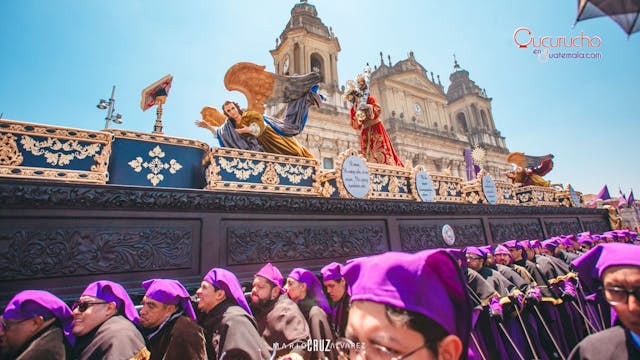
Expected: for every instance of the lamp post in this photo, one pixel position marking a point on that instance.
(109, 105)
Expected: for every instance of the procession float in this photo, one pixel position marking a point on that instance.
(81, 205)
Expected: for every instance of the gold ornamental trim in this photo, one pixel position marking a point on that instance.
(273, 167)
(66, 133)
(25, 172)
(157, 138)
(447, 187)
(397, 179)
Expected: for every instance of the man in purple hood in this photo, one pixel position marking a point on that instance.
(104, 322)
(407, 306)
(36, 325)
(170, 322)
(229, 326)
(280, 321)
(614, 268)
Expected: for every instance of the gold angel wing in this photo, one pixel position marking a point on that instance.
(262, 87)
(517, 158)
(251, 80)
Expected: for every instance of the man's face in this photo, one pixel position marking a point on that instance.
(336, 289)
(262, 291)
(295, 290)
(516, 253)
(89, 312)
(503, 259)
(489, 261)
(15, 333)
(474, 262)
(627, 278)
(154, 313)
(369, 328)
(209, 297)
(530, 253)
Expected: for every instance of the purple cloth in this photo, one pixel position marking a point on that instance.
(566, 241)
(110, 291)
(272, 274)
(495, 308)
(594, 262)
(534, 295)
(512, 244)
(475, 251)
(429, 282)
(227, 281)
(171, 292)
(314, 288)
(550, 244)
(332, 271)
(501, 249)
(584, 240)
(487, 249)
(28, 304)
(526, 244)
(535, 244)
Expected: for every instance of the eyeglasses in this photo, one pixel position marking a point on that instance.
(470, 259)
(82, 306)
(6, 325)
(619, 296)
(348, 349)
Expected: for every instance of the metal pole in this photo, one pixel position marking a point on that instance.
(112, 100)
(506, 334)
(544, 324)
(475, 341)
(526, 334)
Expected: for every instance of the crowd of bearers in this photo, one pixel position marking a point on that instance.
(568, 297)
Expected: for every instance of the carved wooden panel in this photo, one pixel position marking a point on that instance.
(557, 227)
(53, 247)
(515, 229)
(596, 226)
(419, 235)
(277, 240)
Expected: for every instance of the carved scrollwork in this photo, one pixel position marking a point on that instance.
(59, 153)
(279, 242)
(504, 231)
(558, 227)
(9, 152)
(61, 252)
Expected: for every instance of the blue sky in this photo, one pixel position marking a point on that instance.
(60, 57)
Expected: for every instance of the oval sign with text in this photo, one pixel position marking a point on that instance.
(448, 235)
(489, 189)
(355, 176)
(575, 199)
(424, 186)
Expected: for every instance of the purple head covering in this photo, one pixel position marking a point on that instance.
(525, 244)
(227, 281)
(584, 240)
(566, 241)
(550, 244)
(501, 249)
(535, 244)
(332, 271)
(486, 250)
(314, 288)
(512, 244)
(113, 292)
(28, 304)
(170, 292)
(475, 251)
(457, 254)
(594, 262)
(596, 237)
(272, 274)
(429, 282)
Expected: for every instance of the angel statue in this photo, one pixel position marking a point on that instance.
(375, 143)
(529, 170)
(250, 129)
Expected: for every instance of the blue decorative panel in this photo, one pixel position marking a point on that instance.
(155, 160)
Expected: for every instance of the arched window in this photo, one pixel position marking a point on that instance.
(317, 64)
(485, 122)
(461, 122)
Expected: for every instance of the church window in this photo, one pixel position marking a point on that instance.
(461, 122)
